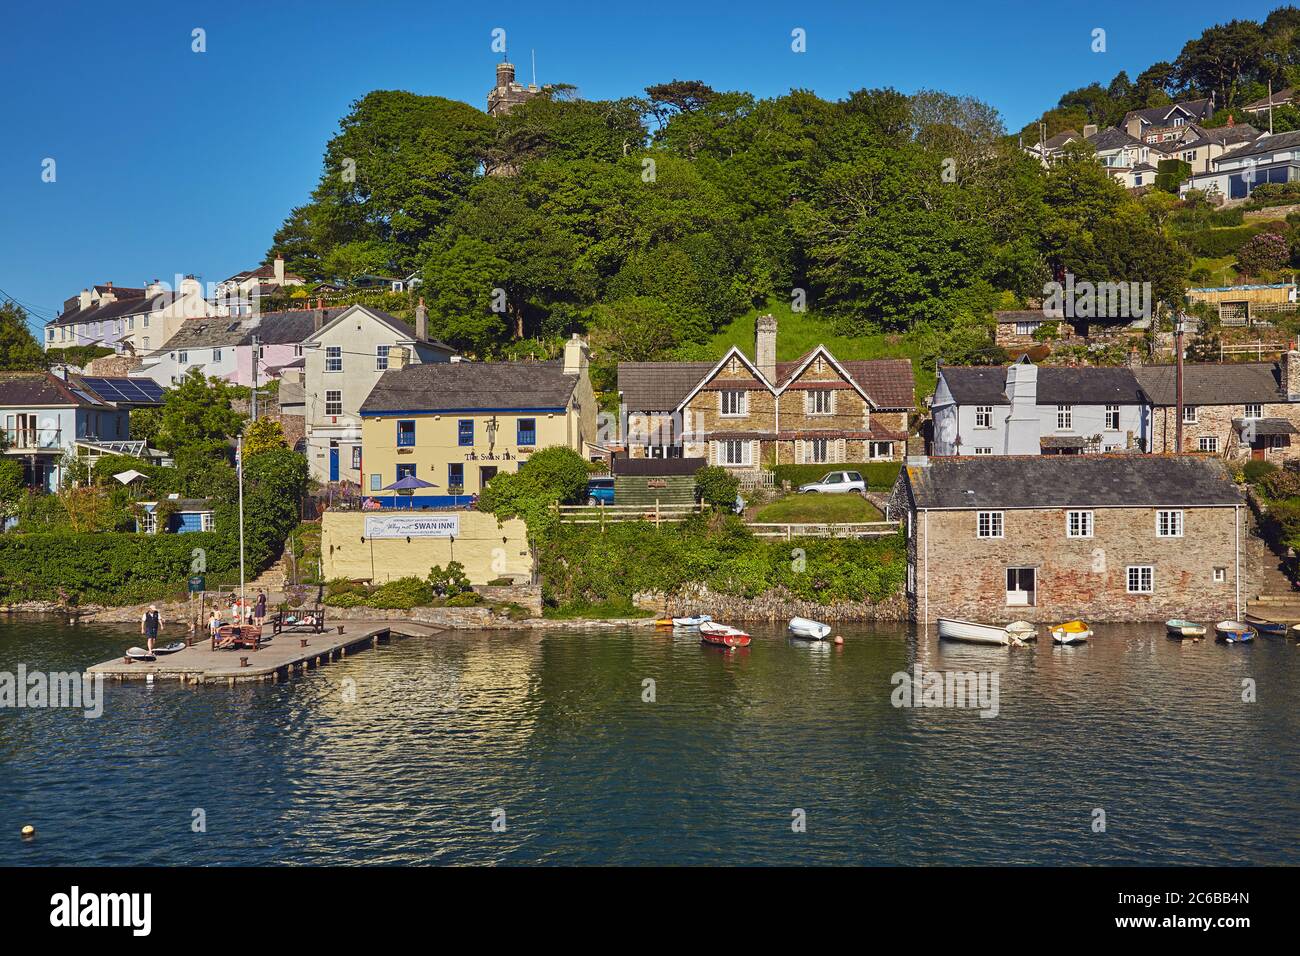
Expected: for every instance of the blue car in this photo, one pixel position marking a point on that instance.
(600, 491)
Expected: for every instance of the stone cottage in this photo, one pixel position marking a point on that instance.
(744, 414)
(1236, 409)
(1052, 538)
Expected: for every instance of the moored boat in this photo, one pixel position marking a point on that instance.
(1266, 627)
(971, 632)
(1234, 632)
(692, 621)
(1071, 632)
(723, 635)
(1177, 627)
(1023, 630)
(809, 629)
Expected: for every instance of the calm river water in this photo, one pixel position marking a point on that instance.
(403, 755)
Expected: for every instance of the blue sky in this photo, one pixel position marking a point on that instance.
(170, 161)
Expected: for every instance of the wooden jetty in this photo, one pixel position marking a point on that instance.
(284, 655)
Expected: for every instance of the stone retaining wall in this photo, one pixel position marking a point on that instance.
(775, 605)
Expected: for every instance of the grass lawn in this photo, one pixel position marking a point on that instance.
(1221, 270)
(817, 508)
(596, 612)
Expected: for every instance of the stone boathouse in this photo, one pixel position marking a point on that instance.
(1052, 538)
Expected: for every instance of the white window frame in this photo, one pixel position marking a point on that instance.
(333, 358)
(989, 524)
(1079, 524)
(1219, 576)
(381, 358)
(338, 401)
(746, 452)
(205, 521)
(1064, 418)
(983, 450)
(1190, 414)
(874, 455)
(984, 414)
(1174, 526)
(149, 523)
(1134, 574)
(1259, 411)
(1112, 415)
(740, 400)
(823, 396)
(1209, 443)
(1027, 328)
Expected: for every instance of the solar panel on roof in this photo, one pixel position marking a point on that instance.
(143, 391)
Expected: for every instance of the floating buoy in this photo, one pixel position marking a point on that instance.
(29, 831)
(838, 639)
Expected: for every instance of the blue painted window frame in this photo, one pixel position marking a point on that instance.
(465, 432)
(405, 469)
(405, 434)
(526, 433)
(455, 476)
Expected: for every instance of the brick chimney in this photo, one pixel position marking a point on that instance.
(421, 322)
(765, 346)
(1291, 372)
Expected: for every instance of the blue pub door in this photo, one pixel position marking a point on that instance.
(334, 461)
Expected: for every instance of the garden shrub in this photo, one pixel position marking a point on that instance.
(401, 594)
(716, 486)
(1257, 468)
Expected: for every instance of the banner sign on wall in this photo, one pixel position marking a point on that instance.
(412, 526)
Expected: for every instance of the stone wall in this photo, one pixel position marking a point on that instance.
(774, 605)
(112, 366)
(1215, 421)
(1081, 577)
(528, 596)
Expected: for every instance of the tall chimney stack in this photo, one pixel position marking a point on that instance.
(765, 346)
(421, 322)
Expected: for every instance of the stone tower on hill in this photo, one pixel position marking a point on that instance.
(508, 94)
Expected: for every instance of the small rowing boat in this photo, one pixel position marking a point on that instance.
(1234, 632)
(1177, 627)
(1023, 630)
(809, 629)
(971, 632)
(1071, 632)
(723, 635)
(1266, 627)
(693, 621)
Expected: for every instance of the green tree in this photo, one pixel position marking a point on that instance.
(196, 426)
(19, 350)
(262, 435)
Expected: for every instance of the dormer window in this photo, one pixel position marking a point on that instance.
(733, 404)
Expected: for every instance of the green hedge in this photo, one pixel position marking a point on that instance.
(1215, 243)
(582, 566)
(878, 474)
(108, 567)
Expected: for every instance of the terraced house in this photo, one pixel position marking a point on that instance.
(743, 414)
(455, 425)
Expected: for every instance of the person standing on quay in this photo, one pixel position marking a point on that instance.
(259, 609)
(151, 625)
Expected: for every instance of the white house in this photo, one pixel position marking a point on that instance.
(343, 360)
(1236, 173)
(1022, 409)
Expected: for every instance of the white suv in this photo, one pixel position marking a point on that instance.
(837, 482)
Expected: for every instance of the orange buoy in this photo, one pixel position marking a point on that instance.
(838, 639)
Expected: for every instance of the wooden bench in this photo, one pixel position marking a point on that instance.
(316, 624)
(230, 636)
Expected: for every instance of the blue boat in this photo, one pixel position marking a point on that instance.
(1234, 632)
(1267, 628)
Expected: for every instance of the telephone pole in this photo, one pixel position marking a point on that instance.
(257, 348)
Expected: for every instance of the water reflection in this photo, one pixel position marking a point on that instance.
(401, 755)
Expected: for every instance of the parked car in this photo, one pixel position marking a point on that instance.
(836, 482)
(600, 491)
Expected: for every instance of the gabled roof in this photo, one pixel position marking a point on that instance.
(1113, 137)
(471, 386)
(123, 307)
(394, 323)
(1265, 144)
(1057, 385)
(885, 383)
(735, 352)
(44, 389)
(1210, 384)
(1223, 136)
(1163, 115)
(1070, 481)
(658, 386)
(1279, 98)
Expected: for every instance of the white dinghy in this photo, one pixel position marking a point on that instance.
(809, 629)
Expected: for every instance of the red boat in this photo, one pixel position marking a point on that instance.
(723, 635)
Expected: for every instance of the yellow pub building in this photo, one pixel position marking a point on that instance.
(456, 424)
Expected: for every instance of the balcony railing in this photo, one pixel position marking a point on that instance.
(33, 439)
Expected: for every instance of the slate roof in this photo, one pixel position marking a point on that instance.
(1011, 316)
(272, 328)
(1057, 385)
(662, 386)
(1159, 115)
(1112, 137)
(1062, 481)
(1210, 384)
(1280, 98)
(134, 305)
(42, 388)
(471, 386)
(1269, 144)
(1223, 136)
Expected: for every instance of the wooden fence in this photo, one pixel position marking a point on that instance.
(659, 513)
(860, 529)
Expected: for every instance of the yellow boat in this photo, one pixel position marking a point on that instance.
(663, 622)
(1071, 632)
